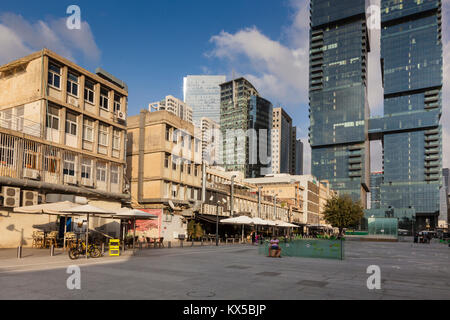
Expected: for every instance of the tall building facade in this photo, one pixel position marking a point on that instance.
(411, 53)
(298, 157)
(202, 94)
(175, 106)
(246, 125)
(376, 179)
(62, 136)
(211, 142)
(339, 111)
(283, 146)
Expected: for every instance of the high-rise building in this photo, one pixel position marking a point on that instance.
(339, 47)
(283, 148)
(246, 124)
(411, 55)
(202, 94)
(211, 142)
(376, 179)
(299, 158)
(175, 106)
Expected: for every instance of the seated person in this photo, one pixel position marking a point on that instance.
(274, 248)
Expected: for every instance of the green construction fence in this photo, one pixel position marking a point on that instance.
(309, 248)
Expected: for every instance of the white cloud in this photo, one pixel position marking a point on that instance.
(276, 69)
(20, 37)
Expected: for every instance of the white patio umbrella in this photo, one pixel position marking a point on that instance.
(51, 209)
(133, 214)
(241, 220)
(87, 210)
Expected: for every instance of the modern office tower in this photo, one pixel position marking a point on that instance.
(246, 124)
(339, 47)
(62, 136)
(294, 151)
(446, 176)
(376, 179)
(411, 55)
(202, 94)
(299, 158)
(175, 106)
(283, 148)
(211, 142)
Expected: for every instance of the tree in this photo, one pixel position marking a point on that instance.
(342, 212)
(191, 229)
(198, 231)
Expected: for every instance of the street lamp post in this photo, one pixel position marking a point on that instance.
(274, 210)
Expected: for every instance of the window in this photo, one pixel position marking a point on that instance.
(89, 91)
(114, 174)
(103, 135)
(195, 170)
(71, 123)
(101, 171)
(197, 142)
(117, 105)
(69, 164)
(182, 166)
(72, 84)
(166, 160)
(167, 133)
(88, 130)
(174, 162)
(53, 118)
(86, 168)
(189, 169)
(104, 100)
(19, 118)
(51, 164)
(116, 140)
(6, 151)
(7, 118)
(30, 155)
(54, 76)
(174, 191)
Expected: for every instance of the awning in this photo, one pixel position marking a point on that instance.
(48, 208)
(127, 213)
(242, 220)
(209, 218)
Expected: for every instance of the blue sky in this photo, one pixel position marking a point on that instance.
(152, 45)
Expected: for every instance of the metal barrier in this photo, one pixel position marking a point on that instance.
(309, 248)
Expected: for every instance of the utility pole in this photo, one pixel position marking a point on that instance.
(232, 195)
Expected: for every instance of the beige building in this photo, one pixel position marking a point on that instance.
(305, 192)
(62, 131)
(164, 157)
(247, 199)
(175, 106)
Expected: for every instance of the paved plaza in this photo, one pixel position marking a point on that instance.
(408, 271)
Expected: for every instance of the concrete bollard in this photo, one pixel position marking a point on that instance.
(192, 244)
(181, 243)
(103, 247)
(201, 242)
(123, 246)
(169, 244)
(140, 245)
(19, 252)
(52, 250)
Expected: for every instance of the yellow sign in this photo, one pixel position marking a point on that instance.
(114, 247)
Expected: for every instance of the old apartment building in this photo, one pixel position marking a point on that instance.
(247, 200)
(164, 156)
(62, 131)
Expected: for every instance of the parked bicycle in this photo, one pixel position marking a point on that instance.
(80, 250)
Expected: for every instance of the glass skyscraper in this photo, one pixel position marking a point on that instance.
(339, 111)
(202, 94)
(411, 53)
(246, 125)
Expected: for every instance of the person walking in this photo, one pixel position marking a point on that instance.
(253, 238)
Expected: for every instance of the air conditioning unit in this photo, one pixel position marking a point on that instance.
(31, 174)
(70, 180)
(41, 198)
(121, 115)
(29, 198)
(73, 101)
(11, 197)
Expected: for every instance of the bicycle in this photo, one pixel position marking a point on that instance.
(80, 250)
